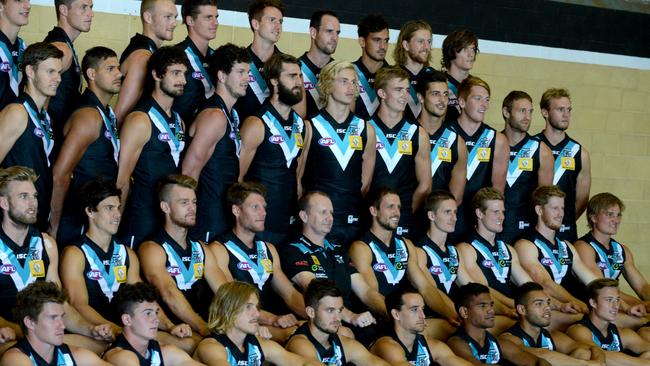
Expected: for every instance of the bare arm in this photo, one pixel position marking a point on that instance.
(519, 274)
(588, 257)
(134, 70)
(583, 184)
(175, 356)
(579, 268)
(500, 162)
(357, 354)
(555, 358)
(67, 55)
(516, 355)
(252, 135)
(283, 287)
(275, 354)
(369, 156)
(207, 130)
(211, 353)
(369, 296)
(13, 122)
(361, 256)
(459, 172)
(422, 169)
(213, 273)
(133, 136)
(388, 350)
(546, 162)
(461, 348)
(581, 334)
(634, 277)
(84, 357)
(52, 250)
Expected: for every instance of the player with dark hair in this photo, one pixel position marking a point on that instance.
(13, 16)
(459, 51)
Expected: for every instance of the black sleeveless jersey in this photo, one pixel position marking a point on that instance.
(389, 263)
(611, 261)
(159, 157)
(442, 264)
(32, 149)
(310, 74)
(257, 90)
(11, 58)
(567, 166)
(104, 273)
(274, 165)
(444, 155)
(154, 354)
(414, 106)
(494, 262)
(419, 355)
(21, 265)
(489, 353)
(367, 103)
(556, 258)
(251, 265)
(220, 172)
(253, 356)
(138, 42)
(66, 100)
(607, 342)
(330, 262)
(395, 164)
(199, 86)
(334, 356)
(521, 181)
(62, 354)
(453, 108)
(544, 340)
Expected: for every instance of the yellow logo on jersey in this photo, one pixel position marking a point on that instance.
(484, 154)
(525, 164)
(444, 154)
(355, 142)
(198, 270)
(405, 147)
(37, 268)
(568, 163)
(120, 274)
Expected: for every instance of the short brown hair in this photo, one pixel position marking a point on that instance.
(542, 194)
(38, 52)
(553, 93)
(190, 8)
(435, 198)
(239, 192)
(256, 9)
(228, 302)
(166, 184)
(405, 34)
(388, 73)
(466, 85)
(274, 65)
(486, 194)
(594, 287)
(454, 43)
(514, 96)
(31, 300)
(15, 174)
(601, 202)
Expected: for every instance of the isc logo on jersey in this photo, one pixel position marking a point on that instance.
(94, 275)
(276, 139)
(244, 266)
(174, 270)
(326, 141)
(380, 267)
(7, 269)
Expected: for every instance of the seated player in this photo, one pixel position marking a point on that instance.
(136, 345)
(405, 342)
(318, 340)
(598, 327)
(233, 322)
(534, 308)
(39, 309)
(473, 342)
(242, 256)
(182, 270)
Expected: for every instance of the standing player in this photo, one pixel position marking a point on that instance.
(572, 167)
(265, 18)
(413, 53)
(200, 17)
(531, 165)
(13, 15)
(324, 29)
(459, 50)
(373, 39)
(213, 155)
(91, 144)
(25, 127)
(487, 149)
(402, 162)
(73, 17)
(271, 142)
(339, 156)
(158, 23)
(151, 141)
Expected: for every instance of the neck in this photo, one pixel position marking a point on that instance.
(338, 111)
(99, 237)
(103, 96)
(147, 32)
(227, 98)
(553, 135)
(178, 233)
(430, 122)
(600, 324)
(15, 231)
(406, 337)
(38, 97)
(546, 232)
(530, 329)
(164, 101)
(201, 43)
(10, 30)
(237, 337)
(370, 64)
(322, 337)
(514, 136)
(138, 343)
(314, 237)
(246, 236)
(69, 31)
(317, 57)
(283, 110)
(477, 334)
(262, 49)
(468, 125)
(389, 117)
(601, 237)
(45, 350)
(488, 235)
(437, 236)
(381, 233)
(413, 66)
(457, 73)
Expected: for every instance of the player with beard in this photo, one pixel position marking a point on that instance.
(388, 261)
(73, 17)
(552, 262)
(271, 142)
(405, 343)
(13, 16)
(339, 156)
(158, 23)
(184, 271)
(373, 39)
(213, 155)
(413, 53)
(91, 143)
(572, 167)
(324, 29)
(530, 333)
(531, 165)
(25, 127)
(448, 150)
(242, 256)
(200, 17)
(152, 139)
(459, 51)
(265, 18)
(598, 328)
(318, 340)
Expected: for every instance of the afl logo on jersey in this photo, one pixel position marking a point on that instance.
(163, 136)
(39, 133)
(326, 141)
(487, 263)
(309, 85)
(198, 75)
(436, 270)
(7, 269)
(276, 139)
(5, 67)
(380, 267)
(379, 145)
(244, 266)
(94, 275)
(173, 270)
(547, 262)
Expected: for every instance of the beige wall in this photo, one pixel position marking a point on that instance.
(611, 114)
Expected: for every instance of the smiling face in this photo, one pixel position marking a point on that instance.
(269, 26)
(418, 48)
(436, 99)
(607, 221)
(162, 19)
(15, 12)
(606, 305)
(521, 115)
(20, 205)
(106, 216)
(252, 213)
(319, 215)
(395, 95)
(552, 213)
(388, 214)
(491, 219)
(476, 105)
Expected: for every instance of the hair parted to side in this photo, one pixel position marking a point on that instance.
(405, 34)
(514, 96)
(239, 192)
(553, 93)
(484, 195)
(601, 203)
(191, 8)
(319, 288)
(167, 183)
(454, 43)
(15, 173)
(328, 76)
(542, 194)
(274, 66)
(317, 18)
(38, 52)
(229, 301)
(435, 198)
(395, 299)
(594, 287)
(256, 9)
(94, 57)
(388, 73)
(31, 300)
(465, 87)
(93, 192)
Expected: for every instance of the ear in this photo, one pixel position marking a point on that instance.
(29, 322)
(592, 303)
(362, 42)
(521, 309)
(88, 212)
(313, 32)
(91, 74)
(189, 21)
(221, 76)
(311, 312)
(255, 24)
(405, 45)
(303, 215)
(538, 210)
(63, 10)
(395, 314)
(236, 210)
(544, 113)
(381, 93)
(147, 17)
(463, 312)
(431, 216)
(505, 112)
(29, 71)
(461, 102)
(373, 211)
(126, 319)
(420, 98)
(4, 203)
(164, 206)
(478, 213)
